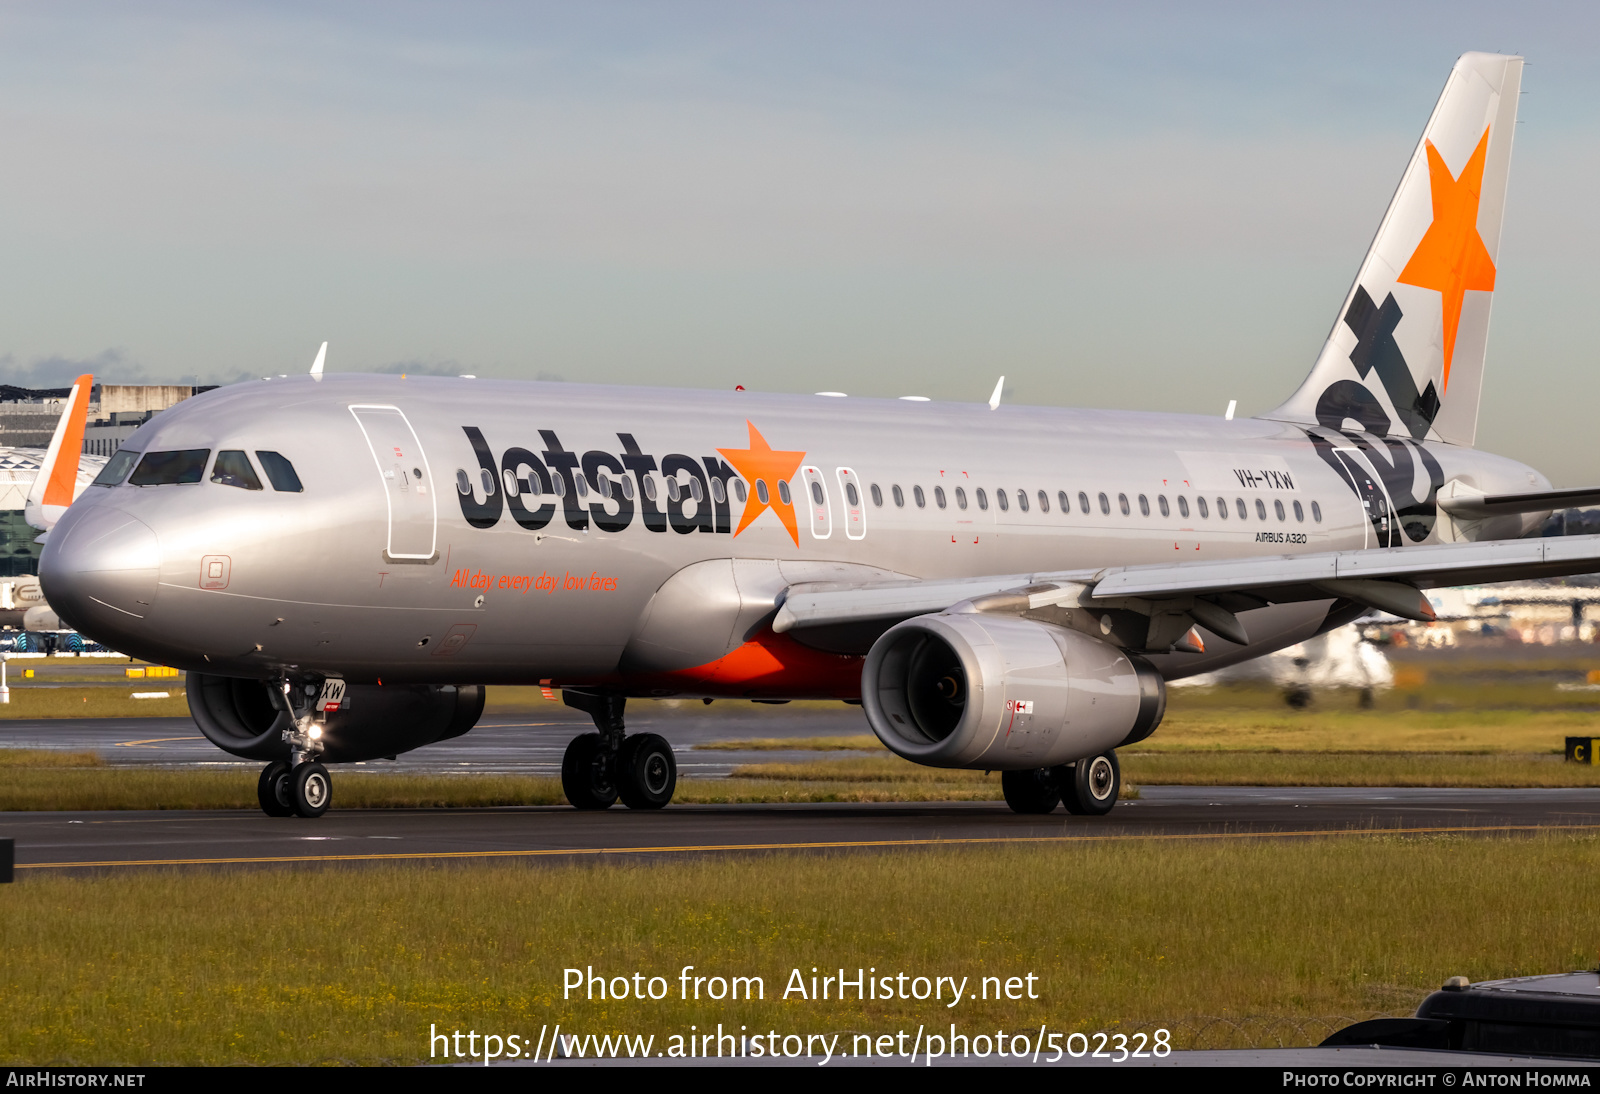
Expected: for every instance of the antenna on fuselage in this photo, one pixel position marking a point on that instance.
(316, 366)
(994, 400)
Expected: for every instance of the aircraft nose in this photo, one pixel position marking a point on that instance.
(99, 571)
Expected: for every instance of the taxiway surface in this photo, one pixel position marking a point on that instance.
(104, 840)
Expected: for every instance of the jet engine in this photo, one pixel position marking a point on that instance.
(966, 689)
(244, 717)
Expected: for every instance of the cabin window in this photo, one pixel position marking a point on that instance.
(1222, 508)
(719, 493)
(1240, 508)
(1105, 504)
(899, 496)
(983, 498)
(851, 494)
(675, 489)
(1261, 509)
(463, 483)
(817, 496)
(1122, 503)
(783, 491)
(961, 498)
(558, 485)
(581, 482)
(696, 491)
(280, 472)
(1005, 503)
(877, 495)
(919, 497)
(1299, 512)
(739, 491)
(647, 483)
(233, 469)
(1205, 511)
(1044, 502)
(1316, 512)
(508, 476)
(1161, 503)
(938, 496)
(762, 495)
(171, 468)
(1022, 500)
(1066, 502)
(1183, 506)
(118, 466)
(1083, 501)
(486, 477)
(1277, 507)
(602, 484)
(1144, 506)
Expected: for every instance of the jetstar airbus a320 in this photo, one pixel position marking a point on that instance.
(342, 563)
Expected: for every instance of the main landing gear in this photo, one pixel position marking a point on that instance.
(601, 767)
(1087, 788)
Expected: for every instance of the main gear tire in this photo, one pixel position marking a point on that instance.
(272, 790)
(311, 789)
(1091, 786)
(586, 775)
(1031, 791)
(647, 771)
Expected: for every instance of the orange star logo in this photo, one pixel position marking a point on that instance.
(763, 467)
(1451, 257)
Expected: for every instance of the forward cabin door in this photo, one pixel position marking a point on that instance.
(407, 481)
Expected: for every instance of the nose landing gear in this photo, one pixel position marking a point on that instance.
(598, 768)
(300, 787)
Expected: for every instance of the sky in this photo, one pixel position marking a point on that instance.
(1140, 206)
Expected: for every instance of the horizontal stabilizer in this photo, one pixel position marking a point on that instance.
(1477, 507)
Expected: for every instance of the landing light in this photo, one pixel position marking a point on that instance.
(315, 733)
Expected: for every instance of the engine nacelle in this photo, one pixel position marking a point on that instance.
(239, 716)
(965, 689)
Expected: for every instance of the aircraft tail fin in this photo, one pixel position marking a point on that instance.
(57, 483)
(1406, 352)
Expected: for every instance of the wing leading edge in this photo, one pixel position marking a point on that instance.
(1387, 578)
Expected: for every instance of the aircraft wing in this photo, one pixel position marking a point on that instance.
(1388, 578)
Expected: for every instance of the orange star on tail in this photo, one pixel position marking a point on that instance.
(1451, 257)
(763, 467)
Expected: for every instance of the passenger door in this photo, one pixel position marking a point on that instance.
(407, 481)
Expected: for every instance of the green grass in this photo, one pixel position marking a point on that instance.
(1226, 942)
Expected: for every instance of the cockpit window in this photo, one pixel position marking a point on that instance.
(169, 468)
(280, 472)
(117, 467)
(233, 469)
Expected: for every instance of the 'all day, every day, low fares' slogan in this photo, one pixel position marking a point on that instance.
(545, 582)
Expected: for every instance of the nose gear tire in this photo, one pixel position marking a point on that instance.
(647, 771)
(586, 776)
(1034, 790)
(272, 790)
(311, 789)
(1091, 786)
